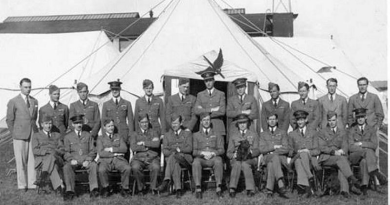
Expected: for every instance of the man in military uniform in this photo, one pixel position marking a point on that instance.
(275, 105)
(88, 108)
(213, 101)
(153, 106)
(274, 146)
(145, 143)
(367, 100)
(312, 107)
(304, 142)
(240, 134)
(363, 142)
(333, 146)
(177, 149)
(58, 111)
(335, 103)
(111, 148)
(208, 149)
(79, 154)
(242, 103)
(182, 103)
(48, 149)
(120, 110)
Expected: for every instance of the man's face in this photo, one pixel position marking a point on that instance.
(83, 93)
(332, 122)
(242, 125)
(206, 122)
(25, 88)
(241, 90)
(176, 124)
(303, 92)
(148, 90)
(109, 128)
(209, 83)
(144, 123)
(332, 86)
(115, 93)
(77, 126)
(362, 85)
(272, 121)
(302, 122)
(55, 96)
(183, 88)
(361, 120)
(46, 126)
(274, 92)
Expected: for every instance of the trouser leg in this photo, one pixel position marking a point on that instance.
(31, 174)
(69, 177)
(344, 186)
(55, 178)
(235, 173)
(197, 171)
(364, 171)
(301, 173)
(154, 168)
(176, 175)
(137, 169)
(218, 170)
(124, 168)
(170, 167)
(103, 170)
(92, 176)
(270, 176)
(249, 179)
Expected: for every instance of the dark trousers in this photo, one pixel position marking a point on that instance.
(366, 159)
(137, 168)
(119, 164)
(215, 162)
(69, 176)
(246, 167)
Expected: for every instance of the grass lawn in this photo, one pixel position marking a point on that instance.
(10, 195)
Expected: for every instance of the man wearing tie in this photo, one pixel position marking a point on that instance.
(335, 103)
(58, 111)
(367, 100)
(88, 108)
(120, 110)
(21, 118)
(275, 105)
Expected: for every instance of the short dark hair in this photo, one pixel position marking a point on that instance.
(27, 80)
(272, 114)
(331, 80)
(362, 78)
(142, 116)
(146, 83)
(107, 121)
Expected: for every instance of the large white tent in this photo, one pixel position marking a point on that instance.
(46, 59)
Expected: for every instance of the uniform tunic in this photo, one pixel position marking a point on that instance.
(91, 115)
(312, 107)
(282, 109)
(183, 108)
(373, 105)
(338, 105)
(235, 108)
(155, 110)
(60, 116)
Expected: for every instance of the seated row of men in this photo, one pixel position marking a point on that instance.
(308, 148)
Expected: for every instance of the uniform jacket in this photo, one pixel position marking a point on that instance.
(234, 142)
(210, 142)
(204, 103)
(122, 114)
(60, 116)
(312, 107)
(150, 150)
(371, 103)
(42, 145)
(20, 120)
(235, 107)
(80, 149)
(91, 115)
(183, 108)
(369, 138)
(268, 140)
(339, 105)
(155, 110)
(283, 111)
(183, 142)
(116, 142)
(308, 141)
(328, 141)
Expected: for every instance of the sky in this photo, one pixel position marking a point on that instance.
(359, 27)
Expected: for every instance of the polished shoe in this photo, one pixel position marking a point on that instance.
(282, 192)
(269, 193)
(363, 189)
(94, 193)
(345, 194)
(199, 195)
(308, 193)
(250, 193)
(125, 192)
(178, 194)
(104, 192)
(355, 190)
(163, 186)
(232, 194)
(219, 194)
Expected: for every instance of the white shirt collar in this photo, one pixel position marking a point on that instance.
(142, 131)
(148, 97)
(119, 99)
(305, 99)
(208, 130)
(211, 90)
(45, 132)
(334, 96)
(365, 95)
(52, 103)
(77, 132)
(86, 101)
(277, 100)
(178, 131)
(362, 126)
(272, 128)
(181, 96)
(304, 129)
(243, 131)
(335, 129)
(108, 134)
(242, 96)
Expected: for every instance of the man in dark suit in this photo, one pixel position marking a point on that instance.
(275, 105)
(367, 100)
(213, 101)
(88, 108)
(21, 118)
(48, 149)
(274, 146)
(242, 103)
(111, 148)
(363, 142)
(80, 153)
(333, 145)
(335, 103)
(312, 107)
(120, 110)
(58, 111)
(182, 103)
(177, 149)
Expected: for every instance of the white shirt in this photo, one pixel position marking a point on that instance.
(303, 129)
(273, 101)
(181, 96)
(365, 95)
(210, 91)
(52, 103)
(178, 131)
(148, 98)
(334, 96)
(361, 127)
(272, 129)
(242, 97)
(304, 100)
(24, 97)
(334, 129)
(208, 130)
(86, 101)
(77, 132)
(114, 99)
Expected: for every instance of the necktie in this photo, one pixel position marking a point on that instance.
(84, 102)
(361, 129)
(110, 136)
(242, 133)
(207, 132)
(182, 98)
(275, 104)
(55, 105)
(148, 100)
(27, 102)
(331, 97)
(79, 133)
(272, 130)
(241, 99)
(210, 92)
(302, 132)
(304, 102)
(334, 131)
(176, 133)
(49, 135)
(362, 97)
(116, 101)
